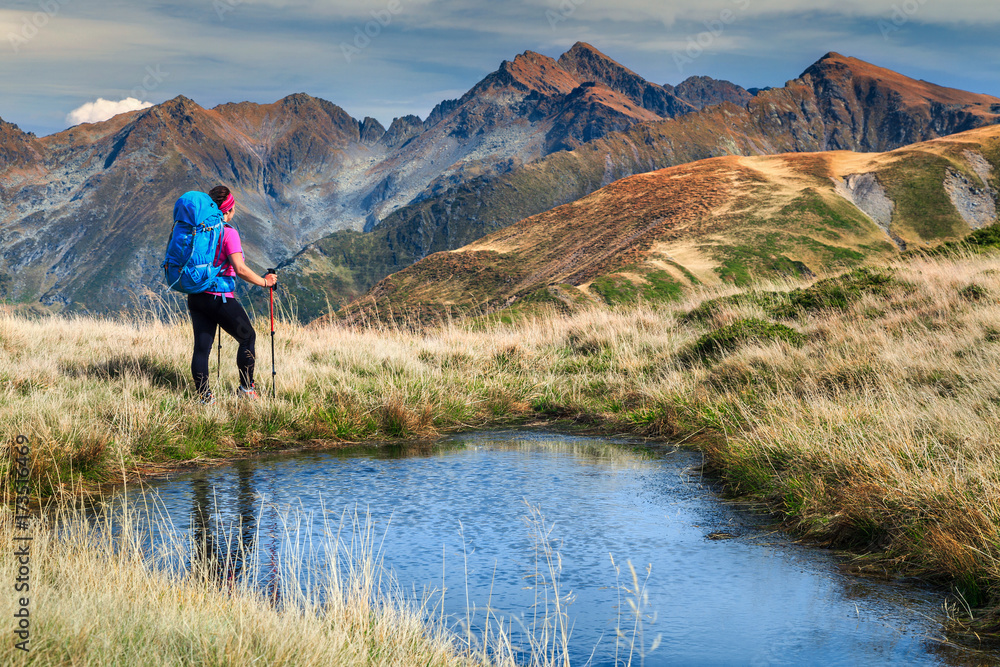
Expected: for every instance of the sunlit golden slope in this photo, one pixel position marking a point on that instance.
(722, 219)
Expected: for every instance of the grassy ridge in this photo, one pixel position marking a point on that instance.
(865, 408)
(732, 219)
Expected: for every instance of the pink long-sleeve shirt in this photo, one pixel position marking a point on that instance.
(230, 245)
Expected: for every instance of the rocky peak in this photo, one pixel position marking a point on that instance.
(402, 130)
(850, 104)
(537, 72)
(704, 91)
(298, 124)
(178, 112)
(590, 111)
(525, 88)
(441, 111)
(179, 104)
(836, 72)
(11, 128)
(370, 130)
(586, 63)
(834, 57)
(316, 109)
(297, 99)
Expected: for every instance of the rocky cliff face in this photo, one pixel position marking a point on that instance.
(697, 92)
(843, 103)
(865, 107)
(839, 103)
(17, 149)
(86, 212)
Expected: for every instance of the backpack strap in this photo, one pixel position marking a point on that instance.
(225, 259)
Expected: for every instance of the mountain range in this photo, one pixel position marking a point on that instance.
(85, 212)
(839, 103)
(340, 203)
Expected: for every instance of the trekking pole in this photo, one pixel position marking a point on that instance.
(218, 365)
(273, 372)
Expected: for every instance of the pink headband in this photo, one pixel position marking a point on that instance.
(228, 205)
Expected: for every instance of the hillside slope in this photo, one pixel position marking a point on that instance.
(730, 219)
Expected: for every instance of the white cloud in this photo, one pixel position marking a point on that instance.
(102, 109)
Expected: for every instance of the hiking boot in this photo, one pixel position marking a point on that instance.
(208, 398)
(243, 392)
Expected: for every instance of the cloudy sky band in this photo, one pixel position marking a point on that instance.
(217, 51)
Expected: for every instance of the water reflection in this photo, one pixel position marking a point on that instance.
(453, 520)
(225, 520)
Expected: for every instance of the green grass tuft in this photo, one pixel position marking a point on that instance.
(982, 240)
(712, 308)
(974, 292)
(840, 292)
(616, 289)
(741, 332)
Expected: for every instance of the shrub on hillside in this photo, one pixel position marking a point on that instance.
(840, 292)
(741, 332)
(708, 310)
(974, 292)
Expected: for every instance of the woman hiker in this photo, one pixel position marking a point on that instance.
(211, 309)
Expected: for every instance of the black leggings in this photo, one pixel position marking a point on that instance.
(208, 311)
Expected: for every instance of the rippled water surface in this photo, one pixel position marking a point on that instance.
(466, 517)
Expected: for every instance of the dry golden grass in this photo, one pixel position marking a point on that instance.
(97, 598)
(880, 432)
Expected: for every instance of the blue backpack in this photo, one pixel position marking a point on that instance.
(194, 242)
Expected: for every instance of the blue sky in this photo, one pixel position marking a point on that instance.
(58, 55)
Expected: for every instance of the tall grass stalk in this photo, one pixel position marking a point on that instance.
(550, 629)
(638, 603)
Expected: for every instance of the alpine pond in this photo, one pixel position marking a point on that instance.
(602, 548)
